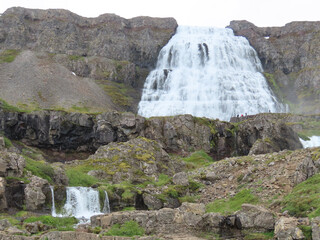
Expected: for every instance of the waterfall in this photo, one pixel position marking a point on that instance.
(313, 142)
(207, 72)
(53, 208)
(82, 203)
(106, 205)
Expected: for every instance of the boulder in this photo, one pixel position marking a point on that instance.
(256, 217)
(36, 227)
(11, 164)
(195, 208)
(315, 224)
(152, 202)
(305, 170)
(4, 224)
(286, 228)
(60, 177)
(3, 199)
(181, 178)
(34, 193)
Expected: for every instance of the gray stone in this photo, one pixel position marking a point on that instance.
(315, 224)
(152, 202)
(34, 196)
(181, 178)
(3, 199)
(4, 223)
(286, 228)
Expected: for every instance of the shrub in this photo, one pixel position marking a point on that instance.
(128, 229)
(227, 206)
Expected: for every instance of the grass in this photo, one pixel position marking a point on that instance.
(128, 229)
(7, 142)
(61, 224)
(79, 178)
(9, 108)
(259, 236)
(307, 231)
(8, 55)
(304, 200)
(228, 206)
(40, 169)
(163, 180)
(199, 159)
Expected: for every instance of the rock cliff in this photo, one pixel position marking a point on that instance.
(290, 57)
(68, 54)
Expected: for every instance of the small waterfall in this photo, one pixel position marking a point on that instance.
(207, 72)
(106, 205)
(53, 208)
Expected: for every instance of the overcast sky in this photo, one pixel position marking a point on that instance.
(216, 13)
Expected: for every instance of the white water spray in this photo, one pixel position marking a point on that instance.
(53, 208)
(313, 142)
(82, 203)
(207, 72)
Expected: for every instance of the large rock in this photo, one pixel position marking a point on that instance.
(11, 164)
(315, 224)
(257, 217)
(181, 178)
(306, 169)
(290, 55)
(286, 228)
(3, 199)
(35, 197)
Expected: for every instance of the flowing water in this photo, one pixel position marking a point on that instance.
(82, 203)
(313, 142)
(207, 72)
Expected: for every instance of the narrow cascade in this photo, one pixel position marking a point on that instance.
(106, 205)
(207, 72)
(53, 208)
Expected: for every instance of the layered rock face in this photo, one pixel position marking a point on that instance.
(62, 60)
(179, 134)
(136, 40)
(290, 57)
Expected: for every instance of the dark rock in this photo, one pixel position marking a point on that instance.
(15, 194)
(152, 202)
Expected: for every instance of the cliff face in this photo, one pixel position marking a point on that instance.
(290, 56)
(109, 50)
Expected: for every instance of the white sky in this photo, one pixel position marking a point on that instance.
(216, 13)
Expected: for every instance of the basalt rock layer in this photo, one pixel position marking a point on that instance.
(290, 57)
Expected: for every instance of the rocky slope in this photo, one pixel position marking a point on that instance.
(290, 57)
(108, 49)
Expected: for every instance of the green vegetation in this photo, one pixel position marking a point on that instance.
(75, 58)
(8, 55)
(9, 108)
(61, 224)
(128, 209)
(307, 231)
(128, 229)
(304, 200)
(7, 142)
(39, 168)
(190, 199)
(79, 178)
(227, 206)
(259, 236)
(272, 83)
(198, 159)
(163, 180)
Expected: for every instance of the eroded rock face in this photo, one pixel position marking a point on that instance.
(292, 55)
(11, 164)
(35, 197)
(59, 31)
(286, 228)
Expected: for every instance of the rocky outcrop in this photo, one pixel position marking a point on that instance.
(315, 224)
(306, 169)
(35, 197)
(290, 56)
(286, 228)
(179, 134)
(11, 164)
(3, 199)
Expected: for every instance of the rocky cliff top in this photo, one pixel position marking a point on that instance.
(60, 31)
(290, 55)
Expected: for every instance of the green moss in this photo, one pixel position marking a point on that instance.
(79, 178)
(207, 122)
(163, 180)
(228, 206)
(128, 209)
(128, 229)
(118, 92)
(9, 108)
(273, 84)
(304, 200)
(190, 199)
(8, 55)
(199, 159)
(307, 231)
(7, 142)
(259, 236)
(40, 169)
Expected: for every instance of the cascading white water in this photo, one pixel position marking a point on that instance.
(207, 72)
(82, 203)
(313, 142)
(53, 208)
